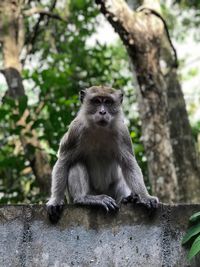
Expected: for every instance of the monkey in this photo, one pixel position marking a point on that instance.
(96, 164)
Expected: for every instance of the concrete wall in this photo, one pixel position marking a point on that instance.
(89, 237)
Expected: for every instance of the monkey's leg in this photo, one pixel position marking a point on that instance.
(134, 178)
(59, 181)
(120, 190)
(79, 189)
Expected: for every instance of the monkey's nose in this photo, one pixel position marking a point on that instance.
(102, 112)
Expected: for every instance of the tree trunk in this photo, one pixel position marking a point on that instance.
(145, 36)
(184, 150)
(11, 37)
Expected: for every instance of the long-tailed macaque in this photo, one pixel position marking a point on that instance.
(96, 164)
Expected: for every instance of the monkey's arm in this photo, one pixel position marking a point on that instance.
(133, 174)
(66, 156)
(58, 186)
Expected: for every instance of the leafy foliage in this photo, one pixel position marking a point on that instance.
(65, 64)
(185, 14)
(195, 217)
(195, 249)
(188, 4)
(193, 235)
(60, 63)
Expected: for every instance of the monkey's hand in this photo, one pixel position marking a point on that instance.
(54, 210)
(108, 203)
(149, 202)
(104, 201)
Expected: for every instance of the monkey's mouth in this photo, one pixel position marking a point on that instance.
(102, 122)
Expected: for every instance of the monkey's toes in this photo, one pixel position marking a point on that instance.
(130, 199)
(149, 203)
(54, 212)
(154, 203)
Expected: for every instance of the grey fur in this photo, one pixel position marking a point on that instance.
(96, 164)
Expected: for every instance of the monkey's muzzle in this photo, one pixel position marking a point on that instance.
(102, 122)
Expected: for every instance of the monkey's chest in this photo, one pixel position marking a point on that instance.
(100, 155)
(99, 143)
(102, 173)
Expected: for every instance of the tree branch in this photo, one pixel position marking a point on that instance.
(30, 39)
(120, 16)
(37, 10)
(157, 14)
(127, 23)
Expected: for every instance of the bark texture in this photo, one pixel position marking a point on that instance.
(146, 38)
(185, 153)
(11, 37)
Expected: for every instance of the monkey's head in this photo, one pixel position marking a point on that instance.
(101, 105)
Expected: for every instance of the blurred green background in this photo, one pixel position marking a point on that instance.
(70, 55)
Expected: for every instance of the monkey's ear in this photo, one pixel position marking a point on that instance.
(121, 95)
(82, 95)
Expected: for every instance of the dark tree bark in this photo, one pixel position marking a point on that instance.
(147, 41)
(186, 157)
(11, 37)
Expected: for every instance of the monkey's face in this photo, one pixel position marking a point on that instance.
(102, 105)
(101, 110)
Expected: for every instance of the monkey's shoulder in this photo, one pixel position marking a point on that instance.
(125, 139)
(71, 137)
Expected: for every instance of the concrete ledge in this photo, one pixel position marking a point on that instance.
(89, 237)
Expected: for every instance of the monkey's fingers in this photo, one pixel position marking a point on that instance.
(110, 204)
(54, 212)
(104, 206)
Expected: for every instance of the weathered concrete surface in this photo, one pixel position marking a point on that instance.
(89, 237)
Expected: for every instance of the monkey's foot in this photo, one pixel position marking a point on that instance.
(54, 211)
(130, 199)
(149, 202)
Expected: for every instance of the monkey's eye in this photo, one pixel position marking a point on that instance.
(108, 102)
(96, 101)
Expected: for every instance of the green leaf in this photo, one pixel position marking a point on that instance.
(195, 249)
(37, 123)
(195, 217)
(194, 230)
(15, 117)
(17, 130)
(22, 104)
(10, 101)
(27, 187)
(79, 4)
(3, 113)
